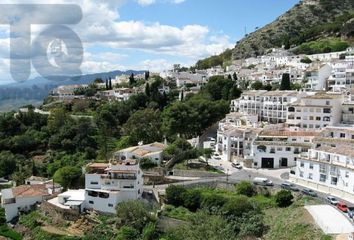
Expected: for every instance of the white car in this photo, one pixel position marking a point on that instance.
(332, 200)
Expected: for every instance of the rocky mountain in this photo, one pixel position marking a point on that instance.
(308, 20)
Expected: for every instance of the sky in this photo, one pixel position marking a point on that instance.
(140, 34)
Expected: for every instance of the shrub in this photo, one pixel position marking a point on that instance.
(146, 163)
(284, 198)
(192, 199)
(212, 202)
(175, 195)
(237, 206)
(306, 60)
(245, 188)
(7, 232)
(127, 233)
(134, 214)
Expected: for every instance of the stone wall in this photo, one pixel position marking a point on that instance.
(194, 173)
(57, 212)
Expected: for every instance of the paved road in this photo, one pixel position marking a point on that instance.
(330, 220)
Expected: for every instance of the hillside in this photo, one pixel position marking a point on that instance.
(33, 91)
(307, 21)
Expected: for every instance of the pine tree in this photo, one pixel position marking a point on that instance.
(110, 84)
(106, 84)
(235, 76)
(147, 89)
(131, 79)
(285, 82)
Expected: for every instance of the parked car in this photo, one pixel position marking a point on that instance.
(332, 200)
(236, 165)
(216, 157)
(342, 206)
(262, 181)
(351, 212)
(309, 192)
(289, 186)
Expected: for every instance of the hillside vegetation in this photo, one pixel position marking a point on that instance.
(309, 20)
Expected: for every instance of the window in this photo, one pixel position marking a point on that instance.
(91, 202)
(110, 205)
(311, 165)
(326, 110)
(301, 174)
(346, 174)
(318, 118)
(323, 178)
(310, 176)
(323, 168)
(327, 102)
(311, 117)
(279, 149)
(93, 183)
(318, 110)
(352, 136)
(334, 180)
(298, 118)
(342, 135)
(294, 139)
(288, 149)
(302, 164)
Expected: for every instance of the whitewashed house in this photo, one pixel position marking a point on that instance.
(329, 164)
(106, 185)
(316, 76)
(22, 198)
(152, 151)
(277, 149)
(314, 112)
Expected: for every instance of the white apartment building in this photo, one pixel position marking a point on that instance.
(118, 94)
(68, 91)
(152, 151)
(342, 76)
(235, 135)
(314, 112)
(316, 77)
(22, 198)
(106, 185)
(269, 106)
(280, 148)
(329, 165)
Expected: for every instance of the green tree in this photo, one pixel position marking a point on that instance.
(134, 213)
(245, 188)
(8, 163)
(284, 198)
(68, 176)
(175, 195)
(257, 85)
(144, 125)
(57, 118)
(234, 76)
(132, 79)
(285, 82)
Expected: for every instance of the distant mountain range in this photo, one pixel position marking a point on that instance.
(308, 20)
(33, 91)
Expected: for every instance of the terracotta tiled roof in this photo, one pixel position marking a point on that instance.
(289, 133)
(30, 190)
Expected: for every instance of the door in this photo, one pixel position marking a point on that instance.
(284, 162)
(267, 162)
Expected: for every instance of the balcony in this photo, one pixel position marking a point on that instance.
(119, 176)
(9, 201)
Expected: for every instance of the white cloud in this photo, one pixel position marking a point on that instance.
(101, 28)
(146, 2)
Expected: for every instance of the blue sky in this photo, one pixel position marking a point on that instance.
(154, 34)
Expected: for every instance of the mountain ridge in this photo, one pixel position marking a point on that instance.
(308, 20)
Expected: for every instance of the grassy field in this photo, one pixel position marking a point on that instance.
(292, 223)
